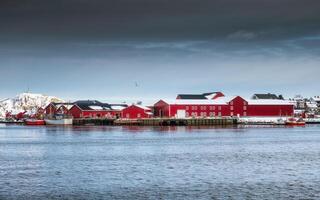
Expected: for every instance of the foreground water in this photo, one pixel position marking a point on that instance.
(159, 163)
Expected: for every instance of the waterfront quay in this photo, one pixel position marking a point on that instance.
(158, 121)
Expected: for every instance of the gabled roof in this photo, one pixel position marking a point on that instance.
(267, 96)
(191, 96)
(208, 95)
(92, 105)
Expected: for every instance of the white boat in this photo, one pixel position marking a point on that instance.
(312, 120)
(68, 121)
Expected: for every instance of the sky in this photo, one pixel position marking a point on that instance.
(128, 50)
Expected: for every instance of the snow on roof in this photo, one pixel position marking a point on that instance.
(68, 106)
(219, 101)
(98, 108)
(268, 102)
(143, 107)
(316, 98)
(118, 107)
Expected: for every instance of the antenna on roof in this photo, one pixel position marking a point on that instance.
(136, 84)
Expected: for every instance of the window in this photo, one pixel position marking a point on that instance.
(187, 107)
(187, 114)
(138, 115)
(127, 115)
(244, 103)
(231, 114)
(231, 102)
(231, 107)
(244, 113)
(244, 107)
(219, 107)
(219, 114)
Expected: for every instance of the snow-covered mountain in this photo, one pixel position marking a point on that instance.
(25, 102)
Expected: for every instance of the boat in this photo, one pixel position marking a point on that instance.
(59, 121)
(279, 121)
(65, 121)
(312, 120)
(295, 122)
(34, 122)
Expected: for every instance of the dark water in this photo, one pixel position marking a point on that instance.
(159, 163)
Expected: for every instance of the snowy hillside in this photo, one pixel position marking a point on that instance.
(25, 102)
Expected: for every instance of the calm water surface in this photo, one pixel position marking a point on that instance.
(159, 163)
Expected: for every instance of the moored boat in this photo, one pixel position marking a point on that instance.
(65, 121)
(295, 122)
(34, 122)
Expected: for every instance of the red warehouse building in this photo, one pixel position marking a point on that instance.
(222, 107)
(95, 109)
(137, 112)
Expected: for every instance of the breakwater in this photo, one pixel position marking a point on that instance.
(158, 122)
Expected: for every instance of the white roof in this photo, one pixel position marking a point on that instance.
(68, 106)
(269, 102)
(196, 102)
(98, 108)
(118, 107)
(143, 107)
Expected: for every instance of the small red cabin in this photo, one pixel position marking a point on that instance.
(136, 112)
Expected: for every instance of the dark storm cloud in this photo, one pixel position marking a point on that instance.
(257, 20)
(255, 45)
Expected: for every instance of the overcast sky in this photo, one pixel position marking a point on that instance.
(151, 49)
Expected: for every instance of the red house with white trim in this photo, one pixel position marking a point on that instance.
(136, 112)
(95, 109)
(58, 108)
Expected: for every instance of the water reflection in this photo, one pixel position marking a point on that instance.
(89, 162)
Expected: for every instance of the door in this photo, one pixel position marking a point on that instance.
(181, 114)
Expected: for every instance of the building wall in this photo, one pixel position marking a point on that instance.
(134, 112)
(62, 110)
(201, 110)
(50, 109)
(270, 110)
(236, 107)
(161, 109)
(76, 112)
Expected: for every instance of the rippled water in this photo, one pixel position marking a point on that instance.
(159, 163)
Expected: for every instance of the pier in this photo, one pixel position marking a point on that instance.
(178, 122)
(93, 121)
(156, 122)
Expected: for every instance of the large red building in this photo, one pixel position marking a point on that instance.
(96, 109)
(221, 106)
(136, 112)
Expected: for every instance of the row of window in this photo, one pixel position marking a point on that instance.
(203, 107)
(244, 103)
(210, 114)
(210, 107)
(128, 115)
(244, 108)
